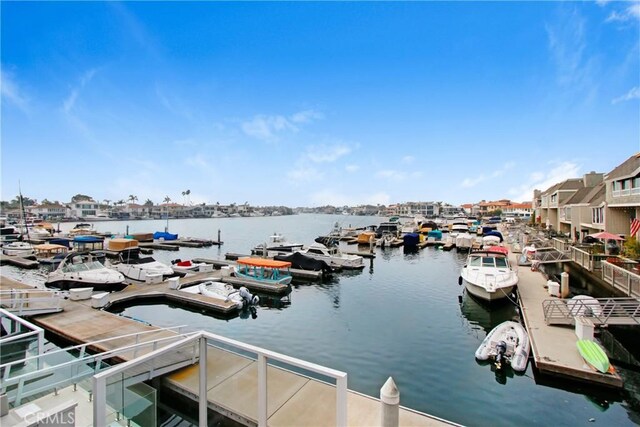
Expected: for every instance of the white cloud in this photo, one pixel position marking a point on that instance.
(472, 182)
(326, 154)
(11, 92)
(352, 168)
(70, 101)
(197, 160)
(630, 13)
(392, 175)
(541, 180)
(634, 93)
(306, 116)
(408, 159)
(267, 128)
(303, 173)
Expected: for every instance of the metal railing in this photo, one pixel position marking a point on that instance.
(561, 244)
(586, 259)
(24, 302)
(55, 374)
(621, 279)
(601, 311)
(35, 331)
(202, 338)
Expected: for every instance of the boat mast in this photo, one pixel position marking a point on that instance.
(22, 212)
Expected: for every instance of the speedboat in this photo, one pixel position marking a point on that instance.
(183, 267)
(464, 241)
(18, 249)
(508, 342)
(488, 275)
(140, 269)
(333, 256)
(277, 243)
(83, 270)
(227, 293)
(263, 271)
(82, 229)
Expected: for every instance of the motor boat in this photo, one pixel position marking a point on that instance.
(488, 275)
(140, 269)
(277, 243)
(181, 267)
(225, 292)
(506, 343)
(83, 270)
(263, 271)
(333, 256)
(464, 241)
(18, 249)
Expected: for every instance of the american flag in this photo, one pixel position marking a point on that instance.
(635, 226)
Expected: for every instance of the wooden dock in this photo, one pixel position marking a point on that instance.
(293, 399)
(159, 246)
(553, 347)
(18, 261)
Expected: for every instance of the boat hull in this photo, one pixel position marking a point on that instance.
(65, 285)
(490, 296)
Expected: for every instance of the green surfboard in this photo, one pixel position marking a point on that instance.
(594, 355)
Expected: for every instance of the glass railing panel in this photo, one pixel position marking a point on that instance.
(130, 404)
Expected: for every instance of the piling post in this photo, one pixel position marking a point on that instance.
(127, 232)
(564, 284)
(389, 404)
(218, 235)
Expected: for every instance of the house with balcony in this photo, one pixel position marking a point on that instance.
(48, 211)
(622, 195)
(86, 209)
(583, 213)
(553, 200)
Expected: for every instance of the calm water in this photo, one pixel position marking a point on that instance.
(404, 316)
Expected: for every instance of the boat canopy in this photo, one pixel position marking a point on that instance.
(499, 249)
(494, 233)
(88, 239)
(437, 234)
(261, 262)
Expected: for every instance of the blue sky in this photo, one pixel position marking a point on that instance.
(306, 104)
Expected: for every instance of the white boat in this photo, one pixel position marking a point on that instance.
(584, 305)
(278, 243)
(508, 342)
(18, 249)
(140, 269)
(488, 275)
(82, 229)
(333, 256)
(183, 267)
(83, 270)
(464, 241)
(214, 288)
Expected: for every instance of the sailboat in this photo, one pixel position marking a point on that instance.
(20, 249)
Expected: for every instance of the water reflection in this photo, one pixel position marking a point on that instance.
(485, 317)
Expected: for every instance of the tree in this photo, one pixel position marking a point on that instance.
(167, 199)
(80, 198)
(133, 198)
(148, 202)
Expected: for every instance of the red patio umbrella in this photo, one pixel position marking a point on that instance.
(606, 236)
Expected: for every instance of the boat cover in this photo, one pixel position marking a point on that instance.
(164, 235)
(494, 233)
(411, 239)
(304, 262)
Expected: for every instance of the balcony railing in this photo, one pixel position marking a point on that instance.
(622, 279)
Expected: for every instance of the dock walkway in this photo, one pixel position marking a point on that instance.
(232, 379)
(554, 347)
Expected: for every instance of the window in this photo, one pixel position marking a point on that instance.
(597, 215)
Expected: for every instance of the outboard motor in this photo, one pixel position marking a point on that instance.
(501, 349)
(248, 297)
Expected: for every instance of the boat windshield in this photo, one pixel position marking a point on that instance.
(501, 262)
(475, 261)
(86, 266)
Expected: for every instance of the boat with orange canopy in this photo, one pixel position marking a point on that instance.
(264, 271)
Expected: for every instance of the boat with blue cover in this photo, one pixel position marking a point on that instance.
(163, 235)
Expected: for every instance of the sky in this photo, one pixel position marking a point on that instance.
(314, 103)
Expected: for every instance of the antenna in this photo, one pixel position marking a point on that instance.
(22, 212)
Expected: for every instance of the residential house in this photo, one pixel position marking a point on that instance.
(85, 209)
(622, 195)
(583, 213)
(49, 211)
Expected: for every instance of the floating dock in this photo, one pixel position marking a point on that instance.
(18, 261)
(554, 347)
(159, 246)
(231, 378)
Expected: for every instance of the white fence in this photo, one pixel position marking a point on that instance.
(621, 279)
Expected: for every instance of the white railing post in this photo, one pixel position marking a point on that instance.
(262, 390)
(203, 401)
(99, 401)
(390, 404)
(341, 401)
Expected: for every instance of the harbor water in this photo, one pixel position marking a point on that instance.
(403, 316)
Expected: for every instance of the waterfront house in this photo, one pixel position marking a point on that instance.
(49, 211)
(555, 197)
(583, 213)
(622, 196)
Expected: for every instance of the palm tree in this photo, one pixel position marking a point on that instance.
(133, 198)
(167, 199)
(188, 192)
